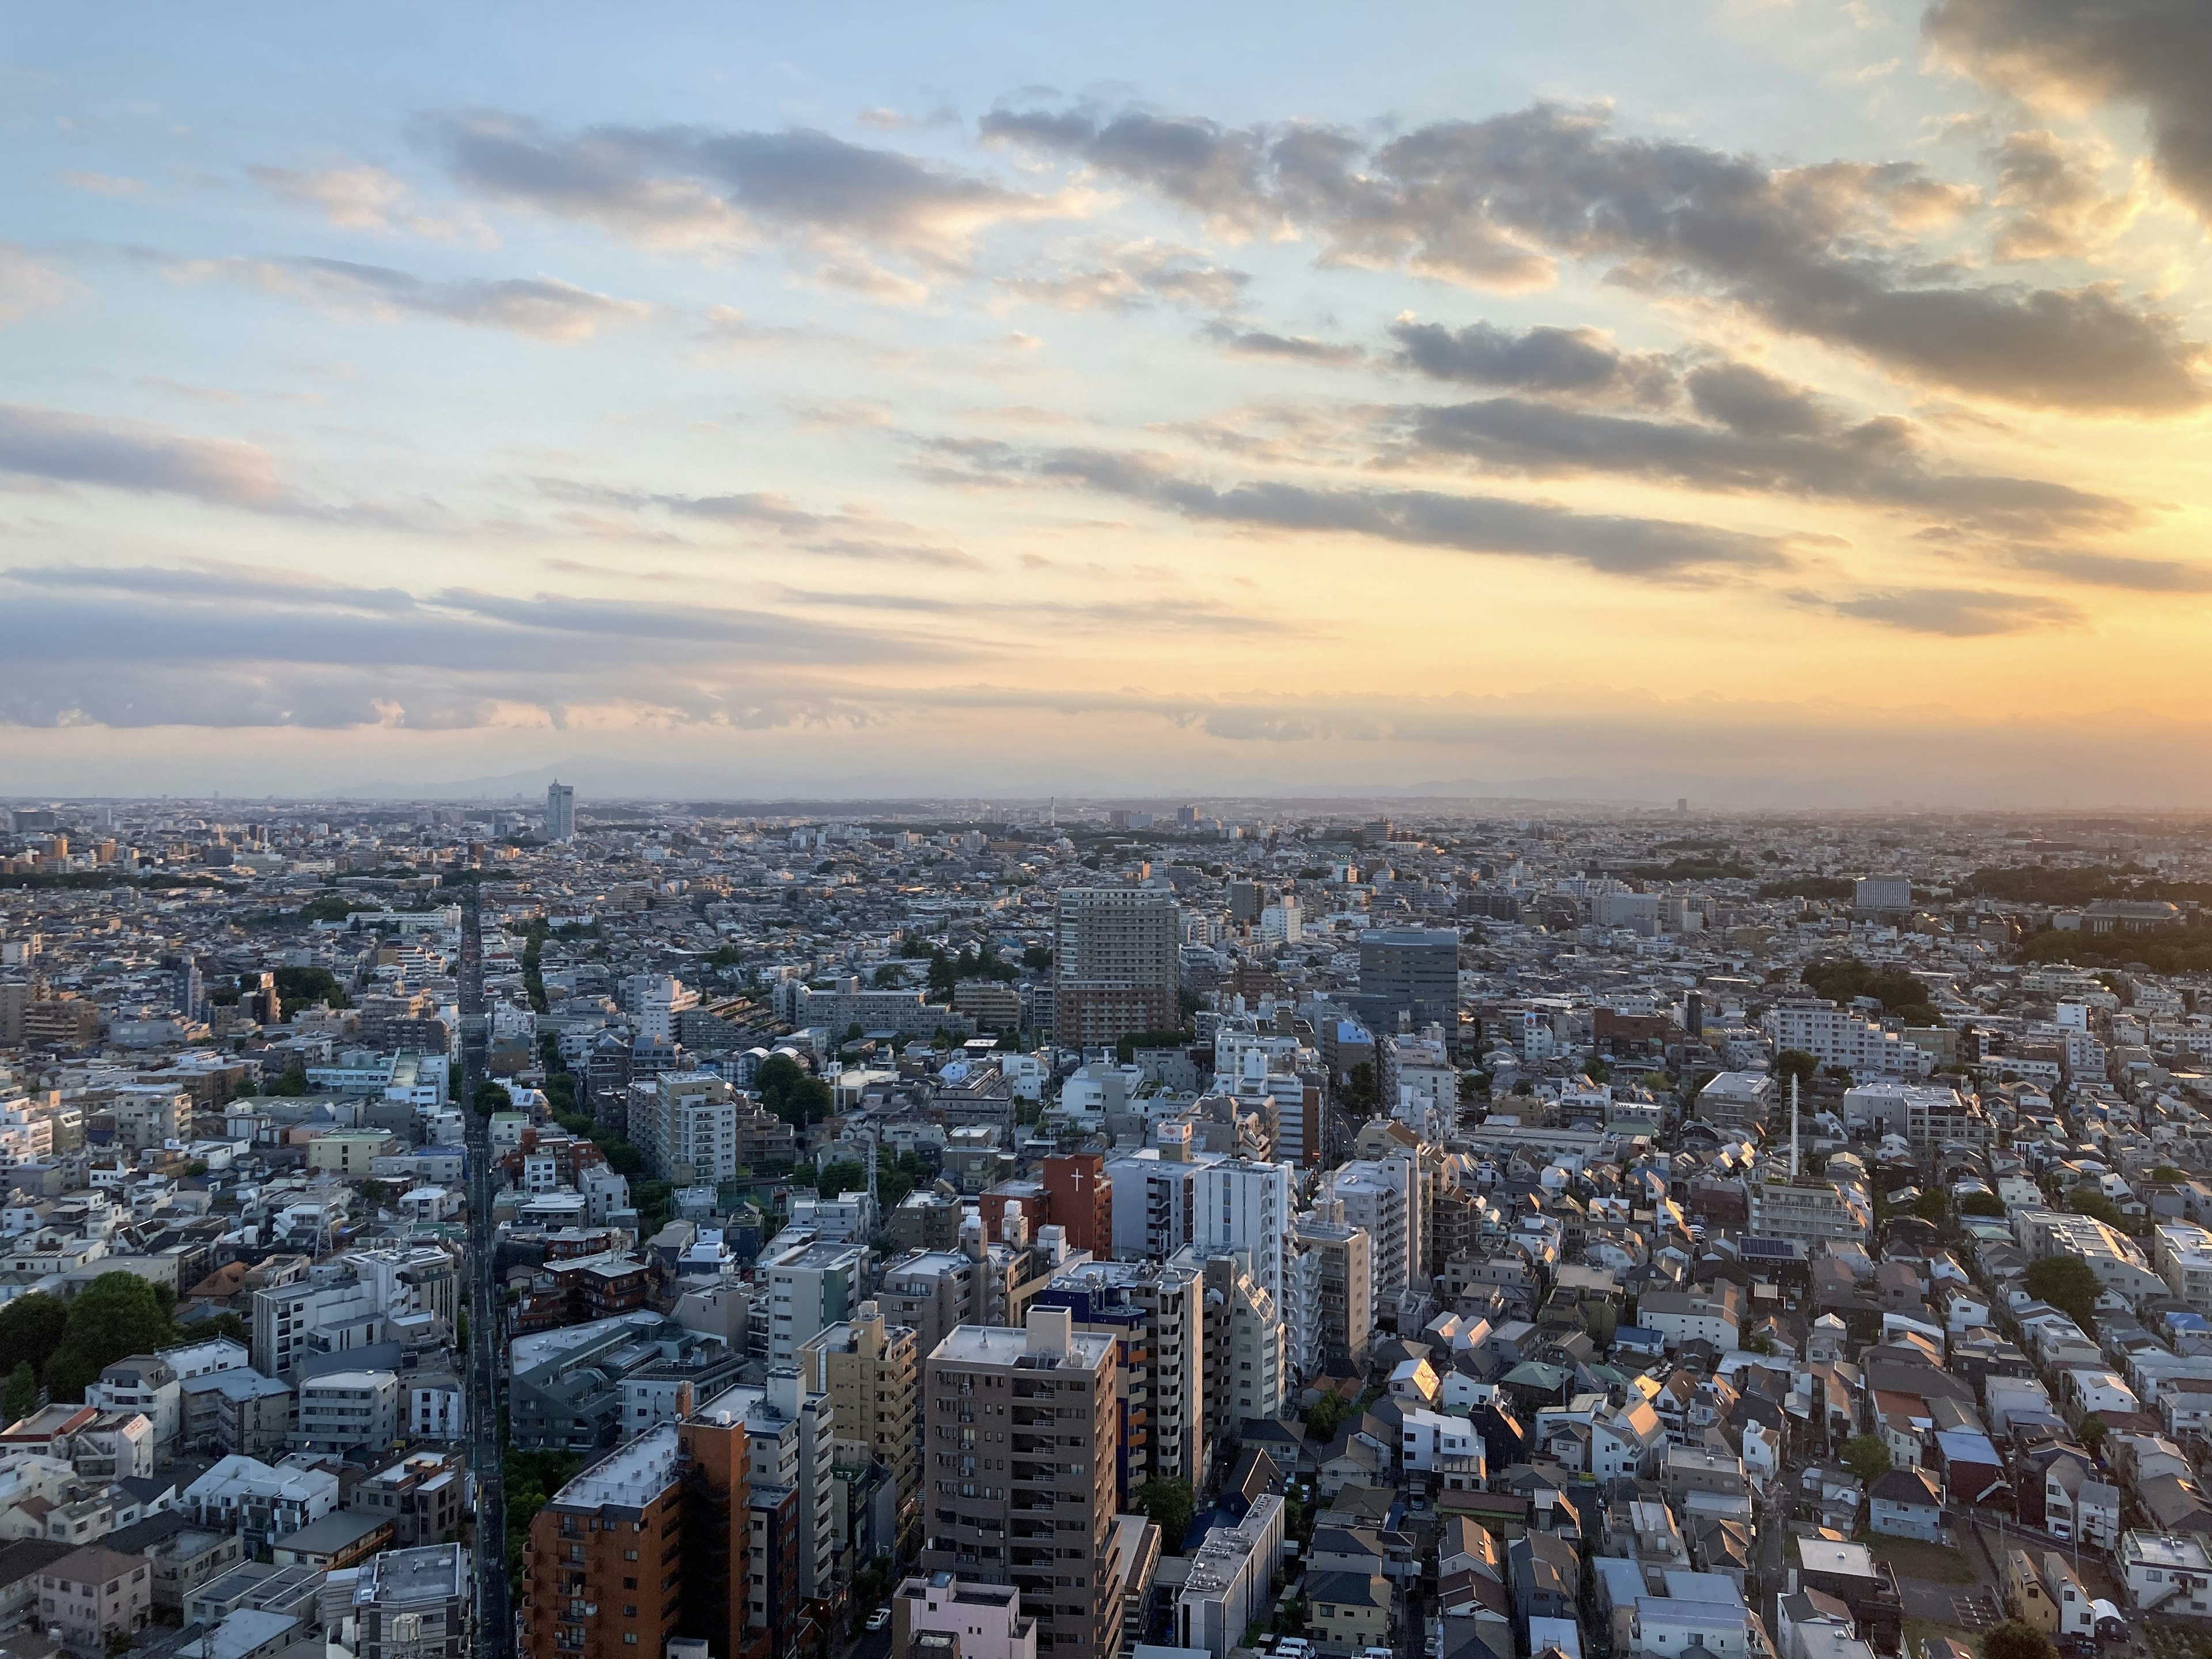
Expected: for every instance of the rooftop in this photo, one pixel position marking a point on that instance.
(434, 1573)
(1005, 1345)
(630, 1477)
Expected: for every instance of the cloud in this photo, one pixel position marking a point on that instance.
(55, 446)
(364, 197)
(1956, 613)
(1820, 251)
(1131, 277)
(1654, 549)
(1181, 612)
(102, 184)
(2055, 206)
(2112, 570)
(541, 307)
(1576, 362)
(1760, 435)
(1260, 181)
(228, 646)
(1290, 348)
(847, 535)
(28, 285)
(2156, 54)
(689, 184)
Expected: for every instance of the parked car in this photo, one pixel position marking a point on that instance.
(880, 1619)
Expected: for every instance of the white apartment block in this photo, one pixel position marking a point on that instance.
(1845, 1037)
(347, 1413)
(1241, 1207)
(686, 1125)
(1383, 1197)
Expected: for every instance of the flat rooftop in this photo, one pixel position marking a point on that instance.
(435, 1572)
(631, 1477)
(1002, 1344)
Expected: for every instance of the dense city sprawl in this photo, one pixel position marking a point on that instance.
(1064, 1231)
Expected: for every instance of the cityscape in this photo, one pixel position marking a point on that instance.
(1137, 832)
(568, 1226)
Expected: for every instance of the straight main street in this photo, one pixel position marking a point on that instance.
(494, 1619)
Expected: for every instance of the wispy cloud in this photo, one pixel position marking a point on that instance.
(1651, 549)
(542, 307)
(842, 535)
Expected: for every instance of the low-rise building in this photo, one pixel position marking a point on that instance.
(93, 1595)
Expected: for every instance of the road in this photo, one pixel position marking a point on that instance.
(494, 1621)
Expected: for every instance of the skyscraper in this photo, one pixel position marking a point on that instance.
(1117, 964)
(560, 813)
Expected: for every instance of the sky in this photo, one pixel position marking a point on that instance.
(1770, 403)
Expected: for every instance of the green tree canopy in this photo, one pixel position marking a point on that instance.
(2017, 1640)
(1168, 1504)
(1325, 1417)
(1931, 1205)
(1866, 1455)
(22, 1392)
(297, 987)
(116, 1315)
(1899, 994)
(491, 1097)
(791, 1092)
(1981, 1204)
(1358, 1097)
(2087, 1200)
(1794, 1062)
(31, 1329)
(843, 1174)
(2068, 1283)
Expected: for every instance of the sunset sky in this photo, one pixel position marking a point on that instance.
(1771, 403)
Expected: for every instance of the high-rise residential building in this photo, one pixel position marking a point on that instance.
(790, 1451)
(1284, 1082)
(1244, 1348)
(731, 1599)
(1080, 1196)
(1241, 1207)
(1409, 972)
(1018, 1478)
(809, 1287)
(686, 1125)
(1116, 965)
(1383, 1197)
(1154, 1195)
(654, 1001)
(932, 1291)
(871, 1373)
(603, 1574)
(1156, 1311)
(560, 813)
(1331, 1303)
